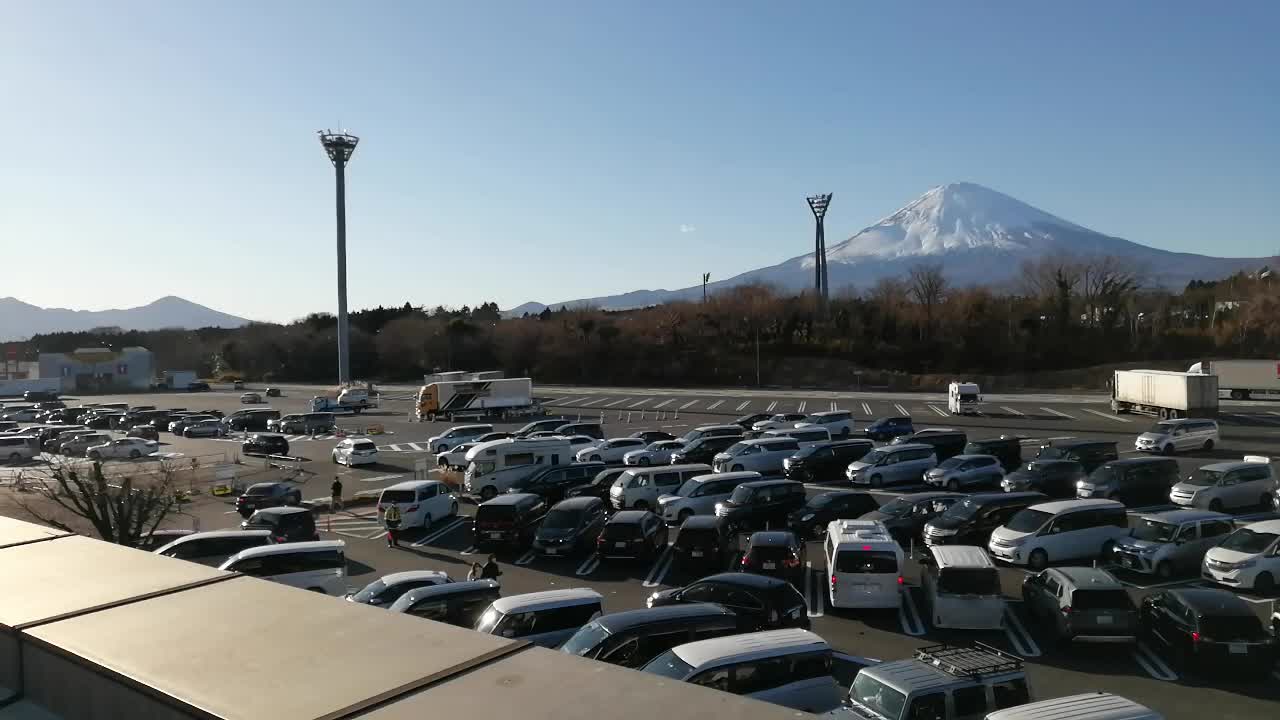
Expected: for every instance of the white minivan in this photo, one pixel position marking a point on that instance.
(421, 502)
(639, 488)
(864, 565)
(1248, 558)
(356, 451)
(1170, 436)
(17, 448)
(699, 495)
(319, 566)
(963, 588)
(1086, 706)
(807, 436)
(764, 455)
(1061, 530)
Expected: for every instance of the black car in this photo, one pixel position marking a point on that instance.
(146, 432)
(598, 486)
(703, 449)
(971, 520)
(455, 603)
(633, 638)
(266, 495)
(287, 524)
(632, 534)
(825, 461)
(906, 515)
(570, 526)
(1135, 481)
(1089, 453)
(104, 421)
(652, 436)
(887, 428)
(945, 443)
(159, 538)
(272, 392)
(1055, 478)
(746, 421)
(548, 425)
(761, 503)
(265, 444)
(1007, 448)
(776, 553)
(703, 541)
(33, 396)
(553, 482)
(252, 420)
(50, 405)
(590, 429)
(509, 520)
(759, 601)
(198, 387)
(1209, 628)
(811, 520)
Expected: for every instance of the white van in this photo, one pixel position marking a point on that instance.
(765, 455)
(1086, 706)
(1061, 530)
(545, 618)
(18, 448)
(963, 588)
(493, 467)
(214, 547)
(789, 667)
(639, 488)
(964, 398)
(807, 436)
(699, 495)
(1248, 559)
(319, 566)
(421, 502)
(864, 565)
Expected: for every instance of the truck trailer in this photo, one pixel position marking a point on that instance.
(1164, 394)
(1241, 378)
(450, 400)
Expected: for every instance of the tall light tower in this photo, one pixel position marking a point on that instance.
(340, 146)
(818, 204)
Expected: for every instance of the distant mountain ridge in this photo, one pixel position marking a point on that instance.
(20, 320)
(979, 235)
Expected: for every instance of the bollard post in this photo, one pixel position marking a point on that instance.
(642, 412)
(676, 415)
(601, 417)
(628, 418)
(619, 416)
(579, 418)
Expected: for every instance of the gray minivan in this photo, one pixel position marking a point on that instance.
(1221, 486)
(545, 618)
(893, 465)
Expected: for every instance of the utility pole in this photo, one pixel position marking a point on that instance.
(705, 278)
(340, 146)
(818, 205)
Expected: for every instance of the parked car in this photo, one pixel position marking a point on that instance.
(703, 450)
(548, 425)
(1170, 543)
(273, 392)
(962, 588)
(553, 483)
(837, 423)
(179, 423)
(78, 443)
(747, 421)
(1060, 530)
(1170, 436)
(21, 415)
(929, 685)
(1081, 604)
(1008, 448)
(971, 520)
(699, 494)
(1089, 453)
(213, 548)
(887, 428)
(308, 423)
(632, 534)
(779, 420)
(825, 462)
(250, 398)
(653, 436)
(17, 448)
(421, 502)
(610, 451)
(545, 619)
(639, 488)
(266, 495)
(32, 396)
(656, 453)
(265, 444)
(1136, 482)
(106, 421)
(633, 638)
(946, 442)
(1228, 485)
(761, 503)
(598, 486)
(456, 603)
(1208, 629)
(160, 537)
(776, 553)
(205, 428)
(355, 451)
(1055, 478)
(1248, 558)
(455, 457)
(966, 472)
(146, 432)
(811, 520)
(287, 523)
(760, 602)
(893, 465)
(906, 515)
(129, 447)
(318, 566)
(198, 387)
(386, 590)
(703, 541)
(591, 429)
(509, 520)
(570, 527)
(765, 455)
(456, 436)
(256, 419)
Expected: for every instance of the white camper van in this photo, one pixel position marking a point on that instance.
(964, 398)
(492, 467)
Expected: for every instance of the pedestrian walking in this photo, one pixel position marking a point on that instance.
(476, 572)
(335, 495)
(391, 518)
(491, 571)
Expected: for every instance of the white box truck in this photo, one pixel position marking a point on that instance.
(1164, 394)
(178, 379)
(451, 400)
(964, 398)
(1241, 378)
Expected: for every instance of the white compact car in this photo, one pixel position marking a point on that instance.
(1249, 558)
(658, 453)
(610, 451)
(837, 422)
(456, 457)
(355, 451)
(781, 420)
(132, 448)
(421, 502)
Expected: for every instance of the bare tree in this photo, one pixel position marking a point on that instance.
(1107, 285)
(927, 285)
(122, 510)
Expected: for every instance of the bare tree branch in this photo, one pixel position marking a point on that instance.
(121, 509)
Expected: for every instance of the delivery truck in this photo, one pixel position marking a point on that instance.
(1164, 394)
(456, 399)
(1241, 378)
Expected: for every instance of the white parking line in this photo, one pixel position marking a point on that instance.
(939, 411)
(715, 405)
(689, 404)
(866, 409)
(802, 404)
(772, 405)
(575, 400)
(472, 550)
(835, 407)
(588, 566)
(742, 405)
(526, 558)
(1152, 664)
(593, 402)
(1018, 635)
(1051, 411)
(1010, 410)
(616, 402)
(664, 403)
(641, 402)
(659, 569)
(381, 478)
(908, 617)
(416, 447)
(449, 527)
(902, 410)
(1117, 418)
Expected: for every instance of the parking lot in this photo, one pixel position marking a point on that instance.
(1248, 428)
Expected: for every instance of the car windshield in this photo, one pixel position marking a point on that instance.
(820, 501)
(1204, 477)
(969, 581)
(488, 621)
(669, 665)
(1154, 530)
(962, 510)
(1160, 429)
(397, 496)
(587, 638)
(872, 457)
(1249, 541)
(259, 490)
(370, 591)
(742, 494)
(561, 520)
(877, 697)
(686, 490)
(897, 507)
(1049, 452)
(1103, 475)
(1028, 521)
(950, 463)
(736, 448)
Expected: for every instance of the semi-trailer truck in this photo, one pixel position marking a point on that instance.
(1241, 378)
(450, 400)
(1164, 394)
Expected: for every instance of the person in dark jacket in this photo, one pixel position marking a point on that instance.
(491, 571)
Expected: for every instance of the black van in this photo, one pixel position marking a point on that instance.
(454, 603)
(1089, 453)
(1133, 481)
(761, 504)
(1007, 448)
(553, 483)
(509, 520)
(590, 429)
(633, 638)
(825, 461)
(703, 449)
(287, 524)
(945, 443)
(971, 520)
(703, 541)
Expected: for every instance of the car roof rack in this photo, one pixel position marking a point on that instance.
(969, 661)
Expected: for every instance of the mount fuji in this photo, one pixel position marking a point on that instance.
(978, 235)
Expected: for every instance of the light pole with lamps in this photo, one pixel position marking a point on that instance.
(340, 146)
(818, 205)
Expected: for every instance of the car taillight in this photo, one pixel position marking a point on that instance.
(833, 581)
(746, 561)
(1195, 637)
(900, 580)
(599, 539)
(792, 562)
(1066, 610)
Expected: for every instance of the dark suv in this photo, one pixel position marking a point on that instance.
(508, 520)
(776, 553)
(760, 602)
(1055, 478)
(1133, 481)
(1089, 453)
(570, 526)
(970, 521)
(887, 428)
(632, 534)
(598, 486)
(703, 449)
(811, 520)
(251, 419)
(703, 541)
(825, 461)
(265, 444)
(945, 443)
(553, 483)
(287, 524)
(266, 495)
(761, 502)
(1007, 448)
(590, 429)
(906, 515)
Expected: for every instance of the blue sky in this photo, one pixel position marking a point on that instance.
(517, 151)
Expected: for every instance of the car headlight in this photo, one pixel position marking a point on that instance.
(1152, 550)
(1244, 564)
(943, 532)
(806, 517)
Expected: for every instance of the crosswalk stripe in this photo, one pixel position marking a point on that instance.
(664, 403)
(715, 405)
(416, 447)
(772, 405)
(593, 402)
(835, 406)
(903, 410)
(1010, 410)
(642, 402)
(1051, 411)
(689, 404)
(939, 411)
(802, 404)
(866, 409)
(742, 405)
(571, 401)
(392, 447)
(1117, 418)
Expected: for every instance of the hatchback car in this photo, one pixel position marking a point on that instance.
(966, 472)
(811, 520)
(1081, 604)
(266, 495)
(760, 602)
(1171, 543)
(287, 524)
(657, 452)
(776, 553)
(355, 451)
(610, 451)
(1055, 478)
(250, 398)
(633, 534)
(1208, 628)
(570, 526)
(384, 591)
(702, 542)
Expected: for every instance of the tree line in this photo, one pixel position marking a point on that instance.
(1062, 313)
